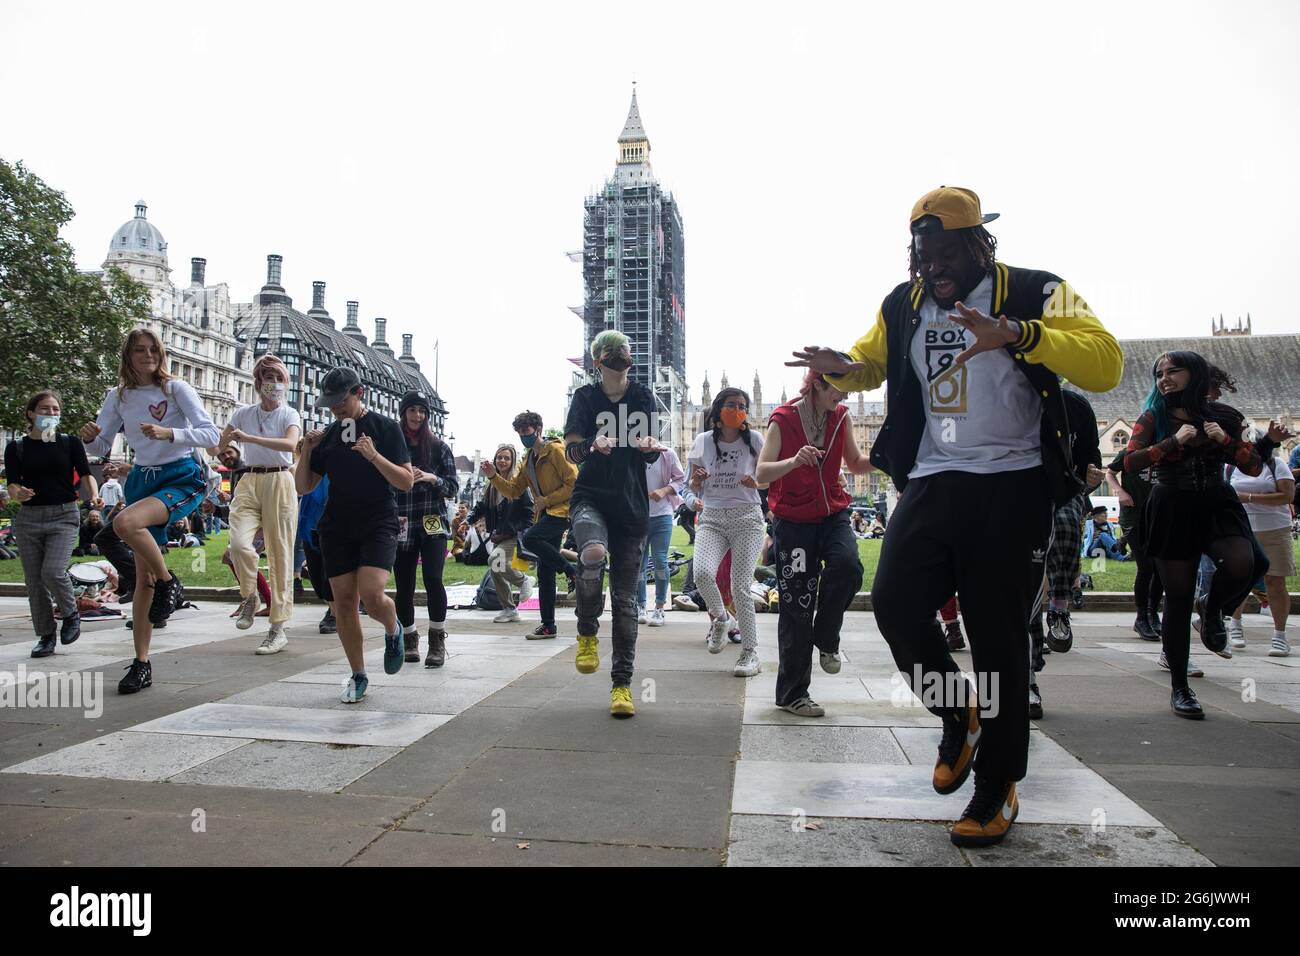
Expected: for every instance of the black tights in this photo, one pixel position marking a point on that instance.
(432, 552)
(1234, 573)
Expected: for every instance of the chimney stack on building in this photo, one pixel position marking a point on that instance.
(352, 330)
(273, 269)
(407, 358)
(380, 343)
(197, 269)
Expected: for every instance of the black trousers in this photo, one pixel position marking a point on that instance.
(938, 543)
(818, 574)
(431, 552)
(320, 582)
(120, 555)
(542, 541)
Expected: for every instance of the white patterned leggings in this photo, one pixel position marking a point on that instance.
(740, 531)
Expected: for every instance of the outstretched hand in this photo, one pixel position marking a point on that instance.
(990, 333)
(824, 361)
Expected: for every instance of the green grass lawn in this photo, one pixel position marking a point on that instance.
(202, 566)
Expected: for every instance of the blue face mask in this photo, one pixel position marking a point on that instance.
(528, 440)
(46, 423)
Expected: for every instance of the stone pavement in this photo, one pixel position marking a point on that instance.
(507, 756)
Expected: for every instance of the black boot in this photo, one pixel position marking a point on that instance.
(44, 646)
(71, 629)
(411, 644)
(1153, 616)
(1143, 628)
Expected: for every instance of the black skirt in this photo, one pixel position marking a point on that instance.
(1179, 524)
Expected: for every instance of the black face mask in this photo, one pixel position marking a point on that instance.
(1178, 399)
(615, 363)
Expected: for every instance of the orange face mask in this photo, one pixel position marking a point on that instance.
(733, 417)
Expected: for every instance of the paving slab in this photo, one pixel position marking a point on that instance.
(360, 725)
(821, 743)
(144, 838)
(784, 841)
(410, 848)
(1031, 844)
(289, 765)
(921, 745)
(905, 793)
(865, 713)
(619, 798)
(131, 756)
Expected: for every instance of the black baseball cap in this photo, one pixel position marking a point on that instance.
(334, 387)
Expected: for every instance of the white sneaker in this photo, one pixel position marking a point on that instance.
(526, 589)
(831, 662)
(248, 609)
(805, 707)
(506, 616)
(640, 615)
(1280, 647)
(683, 603)
(274, 642)
(655, 618)
(717, 635)
(355, 691)
(733, 629)
(747, 665)
(1235, 636)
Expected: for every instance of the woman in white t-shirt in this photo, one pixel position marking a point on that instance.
(265, 498)
(721, 467)
(165, 424)
(1267, 500)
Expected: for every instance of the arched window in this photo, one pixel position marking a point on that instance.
(1119, 440)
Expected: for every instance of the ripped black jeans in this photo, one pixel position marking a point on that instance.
(625, 554)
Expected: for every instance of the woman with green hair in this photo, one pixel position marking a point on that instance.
(610, 435)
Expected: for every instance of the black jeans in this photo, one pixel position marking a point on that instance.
(431, 551)
(818, 574)
(625, 551)
(938, 543)
(542, 541)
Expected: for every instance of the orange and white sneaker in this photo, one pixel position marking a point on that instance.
(961, 740)
(988, 816)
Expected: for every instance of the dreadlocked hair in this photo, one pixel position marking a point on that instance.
(713, 419)
(979, 242)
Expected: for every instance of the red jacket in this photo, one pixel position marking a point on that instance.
(808, 495)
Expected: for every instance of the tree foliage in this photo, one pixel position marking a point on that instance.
(60, 328)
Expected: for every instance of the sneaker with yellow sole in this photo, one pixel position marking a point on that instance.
(989, 815)
(620, 702)
(587, 660)
(957, 748)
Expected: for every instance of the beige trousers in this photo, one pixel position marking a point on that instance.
(503, 575)
(270, 502)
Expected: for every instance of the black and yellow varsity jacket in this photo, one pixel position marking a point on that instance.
(1060, 338)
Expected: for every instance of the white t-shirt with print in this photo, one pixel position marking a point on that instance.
(722, 489)
(252, 420)
(982, 417)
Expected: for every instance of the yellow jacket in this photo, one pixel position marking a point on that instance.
(555, 478)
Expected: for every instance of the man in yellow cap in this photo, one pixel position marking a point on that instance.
(972, 351)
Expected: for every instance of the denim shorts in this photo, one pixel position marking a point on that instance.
(179, 485)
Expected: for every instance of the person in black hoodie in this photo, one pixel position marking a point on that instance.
(610, 435)
(505, 519)
(422, 529)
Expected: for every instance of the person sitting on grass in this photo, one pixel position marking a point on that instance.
(1099, 537)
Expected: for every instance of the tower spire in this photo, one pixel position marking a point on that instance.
(633, 143)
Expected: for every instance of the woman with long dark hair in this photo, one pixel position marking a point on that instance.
(1187, 440)
(43, 470)
(722, 465)
(422, 534)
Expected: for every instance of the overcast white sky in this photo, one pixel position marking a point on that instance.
(431, 161)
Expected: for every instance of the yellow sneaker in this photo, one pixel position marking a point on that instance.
(620, 702)
(587, 660)
(989, 816)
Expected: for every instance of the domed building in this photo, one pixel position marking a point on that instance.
(196, 324)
